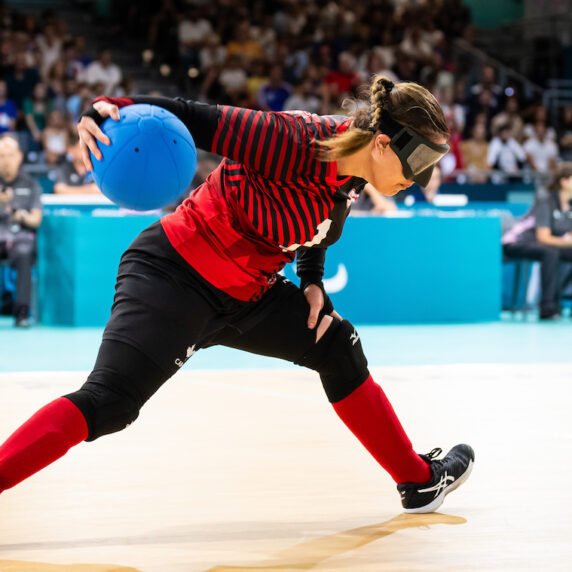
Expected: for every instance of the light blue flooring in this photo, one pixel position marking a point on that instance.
(511, 340)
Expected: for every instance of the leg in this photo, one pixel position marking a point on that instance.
(338, 357)
(158, 314)
(21, 256)
(549, 258)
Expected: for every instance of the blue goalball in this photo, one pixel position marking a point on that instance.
(151, 160)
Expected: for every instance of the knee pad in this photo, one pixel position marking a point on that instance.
(339, 359)
(106, 406)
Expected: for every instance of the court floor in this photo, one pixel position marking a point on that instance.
(247, 468)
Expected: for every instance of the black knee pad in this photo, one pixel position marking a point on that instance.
(339, 359)
(107, 407)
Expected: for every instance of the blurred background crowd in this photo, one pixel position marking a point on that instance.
(277, 55)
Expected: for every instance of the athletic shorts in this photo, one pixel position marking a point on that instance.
(167, 311)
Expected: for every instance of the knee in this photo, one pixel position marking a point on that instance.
(339, 359)
(21, 251)
(107, 407)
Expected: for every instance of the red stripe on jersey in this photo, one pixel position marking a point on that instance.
(119, 101)
(219, 130)
(259, 155)
(229, 133)
(255, 120)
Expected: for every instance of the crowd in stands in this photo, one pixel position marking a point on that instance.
(279, 55)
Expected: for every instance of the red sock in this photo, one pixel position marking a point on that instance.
(370, 417)
(44, 438)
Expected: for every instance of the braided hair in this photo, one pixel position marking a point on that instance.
(408, 103)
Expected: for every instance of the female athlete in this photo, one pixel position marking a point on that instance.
(207, 274)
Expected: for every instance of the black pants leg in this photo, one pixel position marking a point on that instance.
(21, 257)
(549, 258)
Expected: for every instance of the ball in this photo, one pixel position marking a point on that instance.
(150, 161)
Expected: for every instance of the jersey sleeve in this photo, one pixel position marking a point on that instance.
(543, 214)
(275, 144)
(310, 265)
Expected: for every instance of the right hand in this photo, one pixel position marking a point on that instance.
(89, 132)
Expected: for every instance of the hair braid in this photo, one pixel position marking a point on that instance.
(380, 90)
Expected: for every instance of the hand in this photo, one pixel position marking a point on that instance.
(19, 216)
(315, 299)
(89, 132)
(6, 195)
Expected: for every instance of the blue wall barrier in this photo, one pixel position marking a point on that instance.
(383, 270)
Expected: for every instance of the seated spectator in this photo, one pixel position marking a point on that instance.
(371, 201)
(20, 216)
(505, 154)
(36, 110)
(415, 46)
(103, 71)
(193, 32)
(233, 78)
(487, 83)
(475, 153)
(509, 116)
(50, 48)
(8, 111)
(303, 98)
(21, 80)
(55, 137)
(565, 133)
(545, 235)
(272, 96)
(483, 106)
(213, 53)
(454, 112)
(71, 176)
(534, 115)
(541, 152)
(244, 46)
(258, 77)
(343, 80)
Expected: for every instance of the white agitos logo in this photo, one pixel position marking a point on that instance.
(338, 281)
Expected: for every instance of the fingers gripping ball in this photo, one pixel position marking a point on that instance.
(150, 161)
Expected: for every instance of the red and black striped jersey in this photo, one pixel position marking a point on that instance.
(270, 195)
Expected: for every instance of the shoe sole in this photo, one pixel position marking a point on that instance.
(438, 501)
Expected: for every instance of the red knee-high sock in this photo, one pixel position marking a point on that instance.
(41, 440)
(371, 418)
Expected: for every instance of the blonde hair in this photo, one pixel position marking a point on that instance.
(563, 171)
(408, 103)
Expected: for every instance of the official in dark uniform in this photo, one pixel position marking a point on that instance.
(20, 217)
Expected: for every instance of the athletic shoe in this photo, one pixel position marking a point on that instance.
(446, 475)
(22, 319)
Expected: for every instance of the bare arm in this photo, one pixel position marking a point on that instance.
(544, 236)
(89, 189)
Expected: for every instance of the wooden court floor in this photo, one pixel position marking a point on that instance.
(252, 471)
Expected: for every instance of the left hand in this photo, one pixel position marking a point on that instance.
(315, 298)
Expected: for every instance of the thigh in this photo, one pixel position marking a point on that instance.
(276, 326)
(529, 251)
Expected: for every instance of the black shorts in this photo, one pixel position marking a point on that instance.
(167, 311)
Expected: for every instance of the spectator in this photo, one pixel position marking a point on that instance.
(483, 106)
(55, 137)
(541, 152)
(8, 111)
(20, 216)
(415, 46)
(244, 46)
(213, 53)
(50, 48)
(36, 110)
(475, 153)
(505, 154)
(193, 32)
(303, 98)
(272, 96)
(21, 80)
(233, 77)
(545, 235)
(565, 133)
(104, 71)
(539, 113)
(454, 112)
(488, 83)
(343, 80)
(71, 176)
(509, 116)
(258, 78)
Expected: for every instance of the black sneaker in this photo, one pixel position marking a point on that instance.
(446, 475)
(22, 317)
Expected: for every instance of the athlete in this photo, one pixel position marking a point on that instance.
(208, 274)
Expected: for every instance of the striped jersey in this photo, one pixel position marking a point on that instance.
(269, 196)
